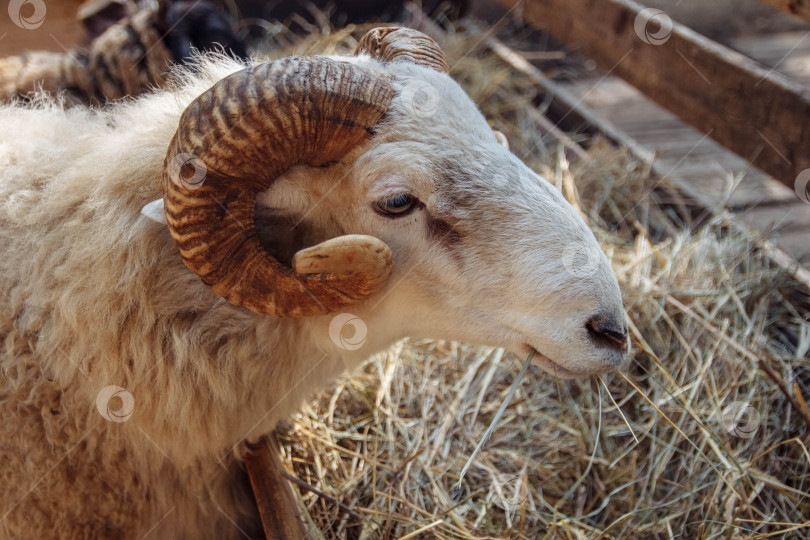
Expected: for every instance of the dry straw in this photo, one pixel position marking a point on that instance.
(648, 454)
(495, 419)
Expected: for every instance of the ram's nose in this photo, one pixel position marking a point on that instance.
(609, 331)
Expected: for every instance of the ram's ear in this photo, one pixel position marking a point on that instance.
(154, 211)
(502, 140)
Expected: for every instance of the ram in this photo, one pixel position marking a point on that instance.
(299, 196)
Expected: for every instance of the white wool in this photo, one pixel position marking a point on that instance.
(154, 211)
(93, 295)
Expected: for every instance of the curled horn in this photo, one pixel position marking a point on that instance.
(396, 43)
(232, 142)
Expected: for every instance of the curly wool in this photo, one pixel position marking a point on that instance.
(92, 294)
(95, 298)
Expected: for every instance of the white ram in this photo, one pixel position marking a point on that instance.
(430, 228)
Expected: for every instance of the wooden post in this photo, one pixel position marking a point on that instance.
(800, 8)
(751, 110)
(280, 509)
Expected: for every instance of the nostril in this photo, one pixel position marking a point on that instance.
(607, 333)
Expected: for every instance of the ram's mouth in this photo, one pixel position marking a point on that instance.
(550, 366)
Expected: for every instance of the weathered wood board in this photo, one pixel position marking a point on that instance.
(283, 517)
(709, 169)
(754, 111)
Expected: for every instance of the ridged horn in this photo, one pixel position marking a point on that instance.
(397, 43)
(232, 142)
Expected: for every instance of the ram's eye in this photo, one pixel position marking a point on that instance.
(397, 205)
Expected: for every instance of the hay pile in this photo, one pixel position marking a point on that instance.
(659, 452)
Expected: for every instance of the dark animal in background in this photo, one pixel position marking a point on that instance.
(128, 57)
(343, 12)
(200, 26)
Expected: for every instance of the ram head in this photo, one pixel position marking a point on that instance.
(310, 186)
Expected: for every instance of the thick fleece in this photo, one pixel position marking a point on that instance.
(127, 386)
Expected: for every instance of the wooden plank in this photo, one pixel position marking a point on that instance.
(786, 52)
(283, 516)
(755, 112)
(781, 218)
(713, 183)
(681, 149)
(688, 195)
(563, 107)
(796, 244)
(800, 8)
